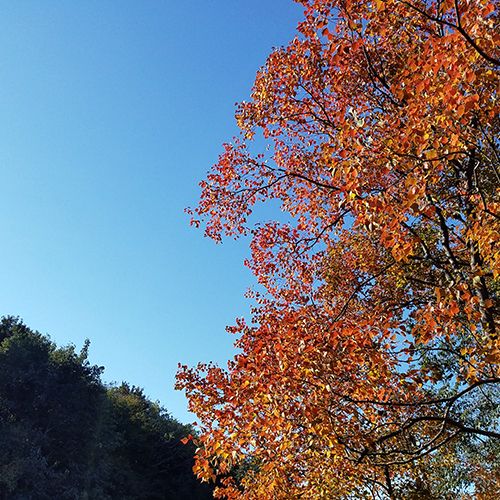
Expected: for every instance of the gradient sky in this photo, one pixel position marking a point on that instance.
(111, 113)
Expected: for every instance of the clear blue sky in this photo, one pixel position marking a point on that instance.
(110, 114)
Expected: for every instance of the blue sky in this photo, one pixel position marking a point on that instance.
(111, 113)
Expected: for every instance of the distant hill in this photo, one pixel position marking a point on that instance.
(65, 435)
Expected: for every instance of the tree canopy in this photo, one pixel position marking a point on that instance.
(65, 435)
(369, 367)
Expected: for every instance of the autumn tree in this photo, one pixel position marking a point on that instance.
(371, 359)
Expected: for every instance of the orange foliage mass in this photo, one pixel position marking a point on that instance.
(383, 121)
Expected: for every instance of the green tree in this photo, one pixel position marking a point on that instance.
(49, 402)
(65, 435)
(150, 460)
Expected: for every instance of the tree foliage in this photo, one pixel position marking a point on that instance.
(370, 365)
(65, 435)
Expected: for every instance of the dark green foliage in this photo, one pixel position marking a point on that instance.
(64, 435)
(149, 450)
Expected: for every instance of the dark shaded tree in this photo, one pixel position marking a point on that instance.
(151, 461)
(65, 435)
